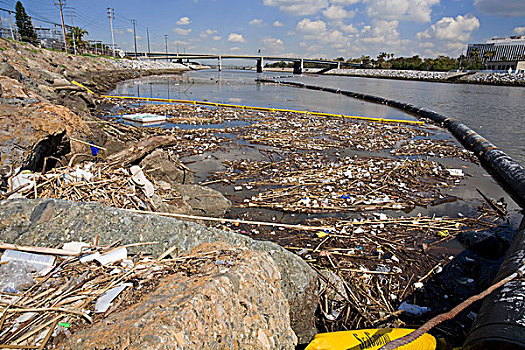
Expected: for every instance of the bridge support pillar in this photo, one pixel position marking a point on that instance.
(219, 66)
(260, 65)
(298, 67)
(338, 65)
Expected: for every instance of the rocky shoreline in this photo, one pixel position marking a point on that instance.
(260, 184)
(483, 78)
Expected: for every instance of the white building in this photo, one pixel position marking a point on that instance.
(500, 49)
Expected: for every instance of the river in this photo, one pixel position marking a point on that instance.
(495, 112)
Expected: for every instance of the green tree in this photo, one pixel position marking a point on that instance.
(25, 26)
(78, 33)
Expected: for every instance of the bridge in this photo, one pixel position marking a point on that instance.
(298, 62)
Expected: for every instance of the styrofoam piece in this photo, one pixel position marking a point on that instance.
(107, 258)
(455, 172)
(145, 118)
(113, 256)
(75, 247)
(137, 175)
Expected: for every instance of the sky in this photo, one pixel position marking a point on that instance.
(298, 28)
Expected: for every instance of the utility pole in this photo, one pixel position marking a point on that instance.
(60, 4)
(134, 37)
(111, 13)
(73, 30)
(166, 40)
(11, 25)
(147, 33)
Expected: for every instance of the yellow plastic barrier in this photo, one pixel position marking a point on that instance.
(267, 109)
(82, 86)
(369, 339)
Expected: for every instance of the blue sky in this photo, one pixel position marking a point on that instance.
(309, 28)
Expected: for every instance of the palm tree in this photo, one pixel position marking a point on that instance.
(474, 53)
(78, 33)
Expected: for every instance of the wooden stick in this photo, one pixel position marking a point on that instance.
(58, 309)
(42, 250)
(87, 143)
(48, 335)
(207, 218)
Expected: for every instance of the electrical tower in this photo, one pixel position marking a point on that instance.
(166, 40)
(111, 14)
(61, 4)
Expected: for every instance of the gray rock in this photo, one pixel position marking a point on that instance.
(203, 200)
(238, 305)
(162, 166)
(7, 70)
(49, 222)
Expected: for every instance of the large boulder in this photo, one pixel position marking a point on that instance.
(235, 303)
(162, 166)
(204, 200)
(32, 129)
(49, 222)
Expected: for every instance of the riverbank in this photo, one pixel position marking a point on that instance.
(506, 79)
(375, 208)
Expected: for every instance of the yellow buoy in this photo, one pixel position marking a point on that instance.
(369, 339)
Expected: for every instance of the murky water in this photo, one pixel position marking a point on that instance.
(496, 112)
(474, 105)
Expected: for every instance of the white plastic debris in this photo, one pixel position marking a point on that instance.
(107, 258)
(82, 173)
(418, 285)
(137, 175)
(104, 302)
(23, 181)
(455, 172)
(75, 247)
(40, 262)
(412, 309)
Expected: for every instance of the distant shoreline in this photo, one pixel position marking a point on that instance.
(500, 79)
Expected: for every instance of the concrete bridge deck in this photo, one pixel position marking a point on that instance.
(298, 61)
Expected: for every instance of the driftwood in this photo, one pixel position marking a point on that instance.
(140, 149)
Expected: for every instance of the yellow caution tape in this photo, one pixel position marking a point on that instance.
(82, 86)
(267, 109)
(369, 339)
(215, 104)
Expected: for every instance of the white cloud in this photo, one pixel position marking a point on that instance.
(182, 31)
(183, 21)
(207, 32)
(278, 24)
(519, 30)
(348, 28)
(235, 38)
(298, 7)
(256, 22)
(337, 13)
(129, 30)
(217, 38)
(311, 27)
(272, 44)
(449, 35)
(507, 8)
(451, 29)
(380, 32)
(344, 2)
(412, 10)
(235, 48)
